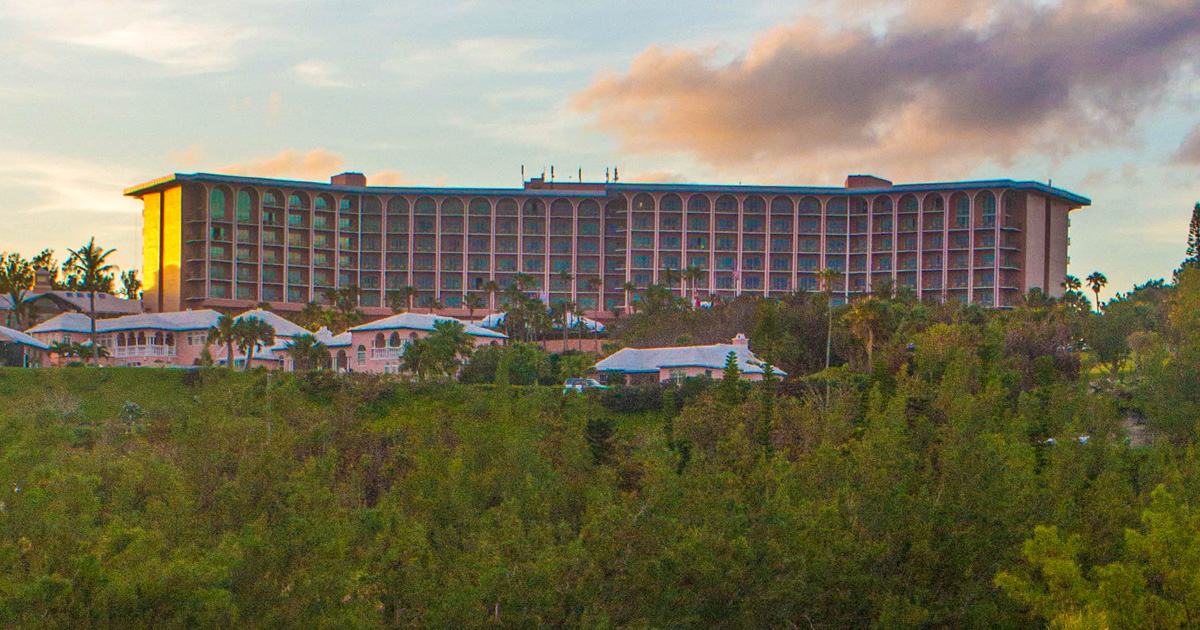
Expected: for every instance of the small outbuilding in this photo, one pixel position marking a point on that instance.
(680, 362)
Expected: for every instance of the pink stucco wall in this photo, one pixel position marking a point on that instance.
(386, 359)
(664, 374)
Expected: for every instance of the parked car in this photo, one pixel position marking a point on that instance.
(581, 385)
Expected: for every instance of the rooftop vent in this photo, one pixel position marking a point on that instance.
(866, 181)
(349, 179)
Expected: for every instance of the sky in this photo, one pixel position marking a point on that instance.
(1100, 97)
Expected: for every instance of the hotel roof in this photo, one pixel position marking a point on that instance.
(174, 321)
(655, 359)
(16, 336)
(423, 321)
(283, 327)
(600, 191)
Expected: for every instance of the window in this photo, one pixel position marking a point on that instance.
(783, 244)
(726, 243)
(698, 224)
(726, 224)
(534, 265)
(697, 242)
(753, 262)
(779, 283)
(534, 246)
(781, 263)
(753, 243)
(641, 261)
(643, 241)
(752, 224)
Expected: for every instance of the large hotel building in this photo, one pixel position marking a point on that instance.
(226, 242)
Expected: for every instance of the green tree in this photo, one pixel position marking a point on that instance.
(419, 357)
(1071, 283)
(90, 265)
(131, 285)
(16, 279)
(473, 302)
(1193, 241)
(1095, 282)
(308, 353)
(252, 334)
(225, 333)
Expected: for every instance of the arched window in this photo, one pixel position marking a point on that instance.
(412, 336)
(506, 208)
(782, 205)
(452, 207)
(425, 205)
(362, 355)
(534, 208)
(934, 202)
(343, 362)
(170, 339)
(727, 203)
(295, 202)
(120, 339)
(397, 205)
(480, 207)
(324, 202)
(908, 203)
(379, 342)
(962, 210)
(589, 208)
(371, 205)
(671, 203)
(245, 206)
(810, 205)
(987, 205)
(273, 199)
(836, 206)
(883, 205)
(643, 202)
(754, 205)
(561, 208)
(216, 203)
(394, 340)
(158, 339)
(141, 338)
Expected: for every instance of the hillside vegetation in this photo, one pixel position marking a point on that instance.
(959, 469)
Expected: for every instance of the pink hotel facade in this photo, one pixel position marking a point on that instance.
(230, 242)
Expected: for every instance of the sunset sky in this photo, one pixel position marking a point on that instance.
(1101, 96)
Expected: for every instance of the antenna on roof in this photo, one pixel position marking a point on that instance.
(522, 172)
(616, 175)
(580, 178)
(551, 172)
(606, 175)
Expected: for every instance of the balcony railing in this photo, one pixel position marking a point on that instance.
(148, 350)
(380, 354)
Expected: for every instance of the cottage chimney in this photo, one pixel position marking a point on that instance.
(741, 340)
(43, 280)
(349, 179)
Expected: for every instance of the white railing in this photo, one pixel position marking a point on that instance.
(387, 353)
(148, 350)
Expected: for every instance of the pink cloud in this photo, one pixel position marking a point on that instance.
(317, 164)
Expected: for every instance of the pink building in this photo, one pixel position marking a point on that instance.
(229, 242)
(378, 347)
(680, 362)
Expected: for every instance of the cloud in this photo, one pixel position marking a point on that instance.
(491, 55)
(188, 157)
(657, 177)
(319, 73)
(185, 37)
(389, 178)
(1019, 79)
(316, 164)
(1189, 149)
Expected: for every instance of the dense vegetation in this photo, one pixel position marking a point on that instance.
(953, 468)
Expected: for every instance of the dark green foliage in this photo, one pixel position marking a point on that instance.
(599, 434)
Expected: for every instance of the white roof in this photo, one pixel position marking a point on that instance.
(331, 340)
(175, 321)
(423, 321)
(654, 359)
(16, 336)
(106, 303)
(496, 320)
(5, 303)
(283, 327)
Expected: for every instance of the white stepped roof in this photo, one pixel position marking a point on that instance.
(423, 321)
(16, 336)
(710, 357)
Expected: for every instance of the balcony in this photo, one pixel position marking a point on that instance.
(148, 350)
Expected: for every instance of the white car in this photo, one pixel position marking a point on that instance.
(580, 385)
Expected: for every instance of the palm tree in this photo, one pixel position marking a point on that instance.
(405, 295)
(692, 275)
(253, 334)
(131, 285)
(628, 288)
(568, 280)
(435, 305)
(448, 341)
(1095, 282)
(225, 333)
(16, 279)
(593, 286)
(670, 276)
(307, 353)
(473, 302)
(90, 264)
(828, 276)
(492, 287)
(417, 356)
(1071, 283)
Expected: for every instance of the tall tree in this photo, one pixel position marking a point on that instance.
(225, 333)
(1095, 282)
(692, 275)
(90, 265)
(828, 276)
(1193, 248)
(45, 260)
(449, 343)
(670, 276)
(307, 353)
(492, 287)
(1071, 283)
(16, 279)
(252, 335)
(473, 302)
(131, 285)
